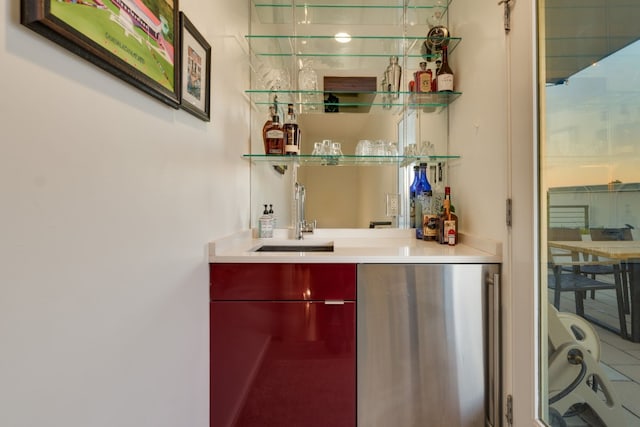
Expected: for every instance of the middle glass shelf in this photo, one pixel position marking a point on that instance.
(343, 101)
(347, 160)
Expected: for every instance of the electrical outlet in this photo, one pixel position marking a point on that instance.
(393, 204)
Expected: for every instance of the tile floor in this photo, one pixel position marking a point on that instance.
(620, 358)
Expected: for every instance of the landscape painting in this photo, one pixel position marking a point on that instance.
(134, 39)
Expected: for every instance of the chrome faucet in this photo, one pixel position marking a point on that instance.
(301, 225)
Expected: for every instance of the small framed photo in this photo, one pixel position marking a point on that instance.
(195, 63)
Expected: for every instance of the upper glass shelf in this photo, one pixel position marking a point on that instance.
(349, 12)
(326, 46)
(346, 160)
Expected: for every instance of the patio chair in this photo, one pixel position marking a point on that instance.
(610, 234)
(567, 274)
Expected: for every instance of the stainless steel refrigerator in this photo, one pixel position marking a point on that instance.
(428, 345)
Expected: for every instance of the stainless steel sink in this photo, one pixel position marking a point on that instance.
(295, 248)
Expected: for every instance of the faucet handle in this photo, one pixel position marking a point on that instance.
(308, 227)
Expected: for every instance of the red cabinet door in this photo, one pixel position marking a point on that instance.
(280, 364)
(283, 345)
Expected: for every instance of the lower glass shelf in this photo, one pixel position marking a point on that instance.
(346, 160)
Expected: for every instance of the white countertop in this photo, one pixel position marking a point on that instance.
(374, 246)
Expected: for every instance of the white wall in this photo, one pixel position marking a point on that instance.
(478, 119)
(493, 128)
(108, 200)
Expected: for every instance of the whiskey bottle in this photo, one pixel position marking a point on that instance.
(273, 135)
(445, 75)
(291, 133)
(267, 125)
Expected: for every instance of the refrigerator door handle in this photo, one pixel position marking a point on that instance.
(493, 297)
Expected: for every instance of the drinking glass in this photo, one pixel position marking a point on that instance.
(318, 149)
(336, 149)
(391, 149)
(363, 148)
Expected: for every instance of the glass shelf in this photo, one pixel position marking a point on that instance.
(325, 46)
(377, 101)
(346, 160)
(349, 12)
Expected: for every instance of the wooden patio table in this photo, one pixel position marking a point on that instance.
(627, 251)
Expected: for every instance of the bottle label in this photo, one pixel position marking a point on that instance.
(445, 82)
(275, 134)
(265, 227)
(275, 141)
(430, 227)
(450, 232)
(424, 81)
(291, 140)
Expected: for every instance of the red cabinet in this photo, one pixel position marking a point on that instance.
(283, 345)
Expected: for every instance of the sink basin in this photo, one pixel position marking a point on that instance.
(296, 248)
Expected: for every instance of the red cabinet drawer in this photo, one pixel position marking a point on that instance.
(289, 282)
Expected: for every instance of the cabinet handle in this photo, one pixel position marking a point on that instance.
(334, 302)
(494, 343)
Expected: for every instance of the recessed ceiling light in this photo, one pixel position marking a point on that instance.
(343, 37)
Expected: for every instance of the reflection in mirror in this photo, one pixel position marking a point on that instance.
(340, 196)
(590, 215)
(348, 196)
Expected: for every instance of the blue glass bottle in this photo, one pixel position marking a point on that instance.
(412, 197)
(422, 200)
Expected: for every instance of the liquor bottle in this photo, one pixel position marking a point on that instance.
(437, 186)
(423, 78)
(273, 135)
(430, 219)
(267, 125)
(412, 197)
(445, 75)
(448, 227)
(291, 133)
(308, 85)
(434, 80)
(423, 200)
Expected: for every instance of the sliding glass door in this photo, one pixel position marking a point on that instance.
(589, 198)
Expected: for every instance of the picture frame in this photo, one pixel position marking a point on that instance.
(135, 40)
(195, 70)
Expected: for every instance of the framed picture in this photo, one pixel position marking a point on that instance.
(135, 40)
(195, 63)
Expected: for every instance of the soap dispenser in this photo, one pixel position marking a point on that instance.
(265, 225)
